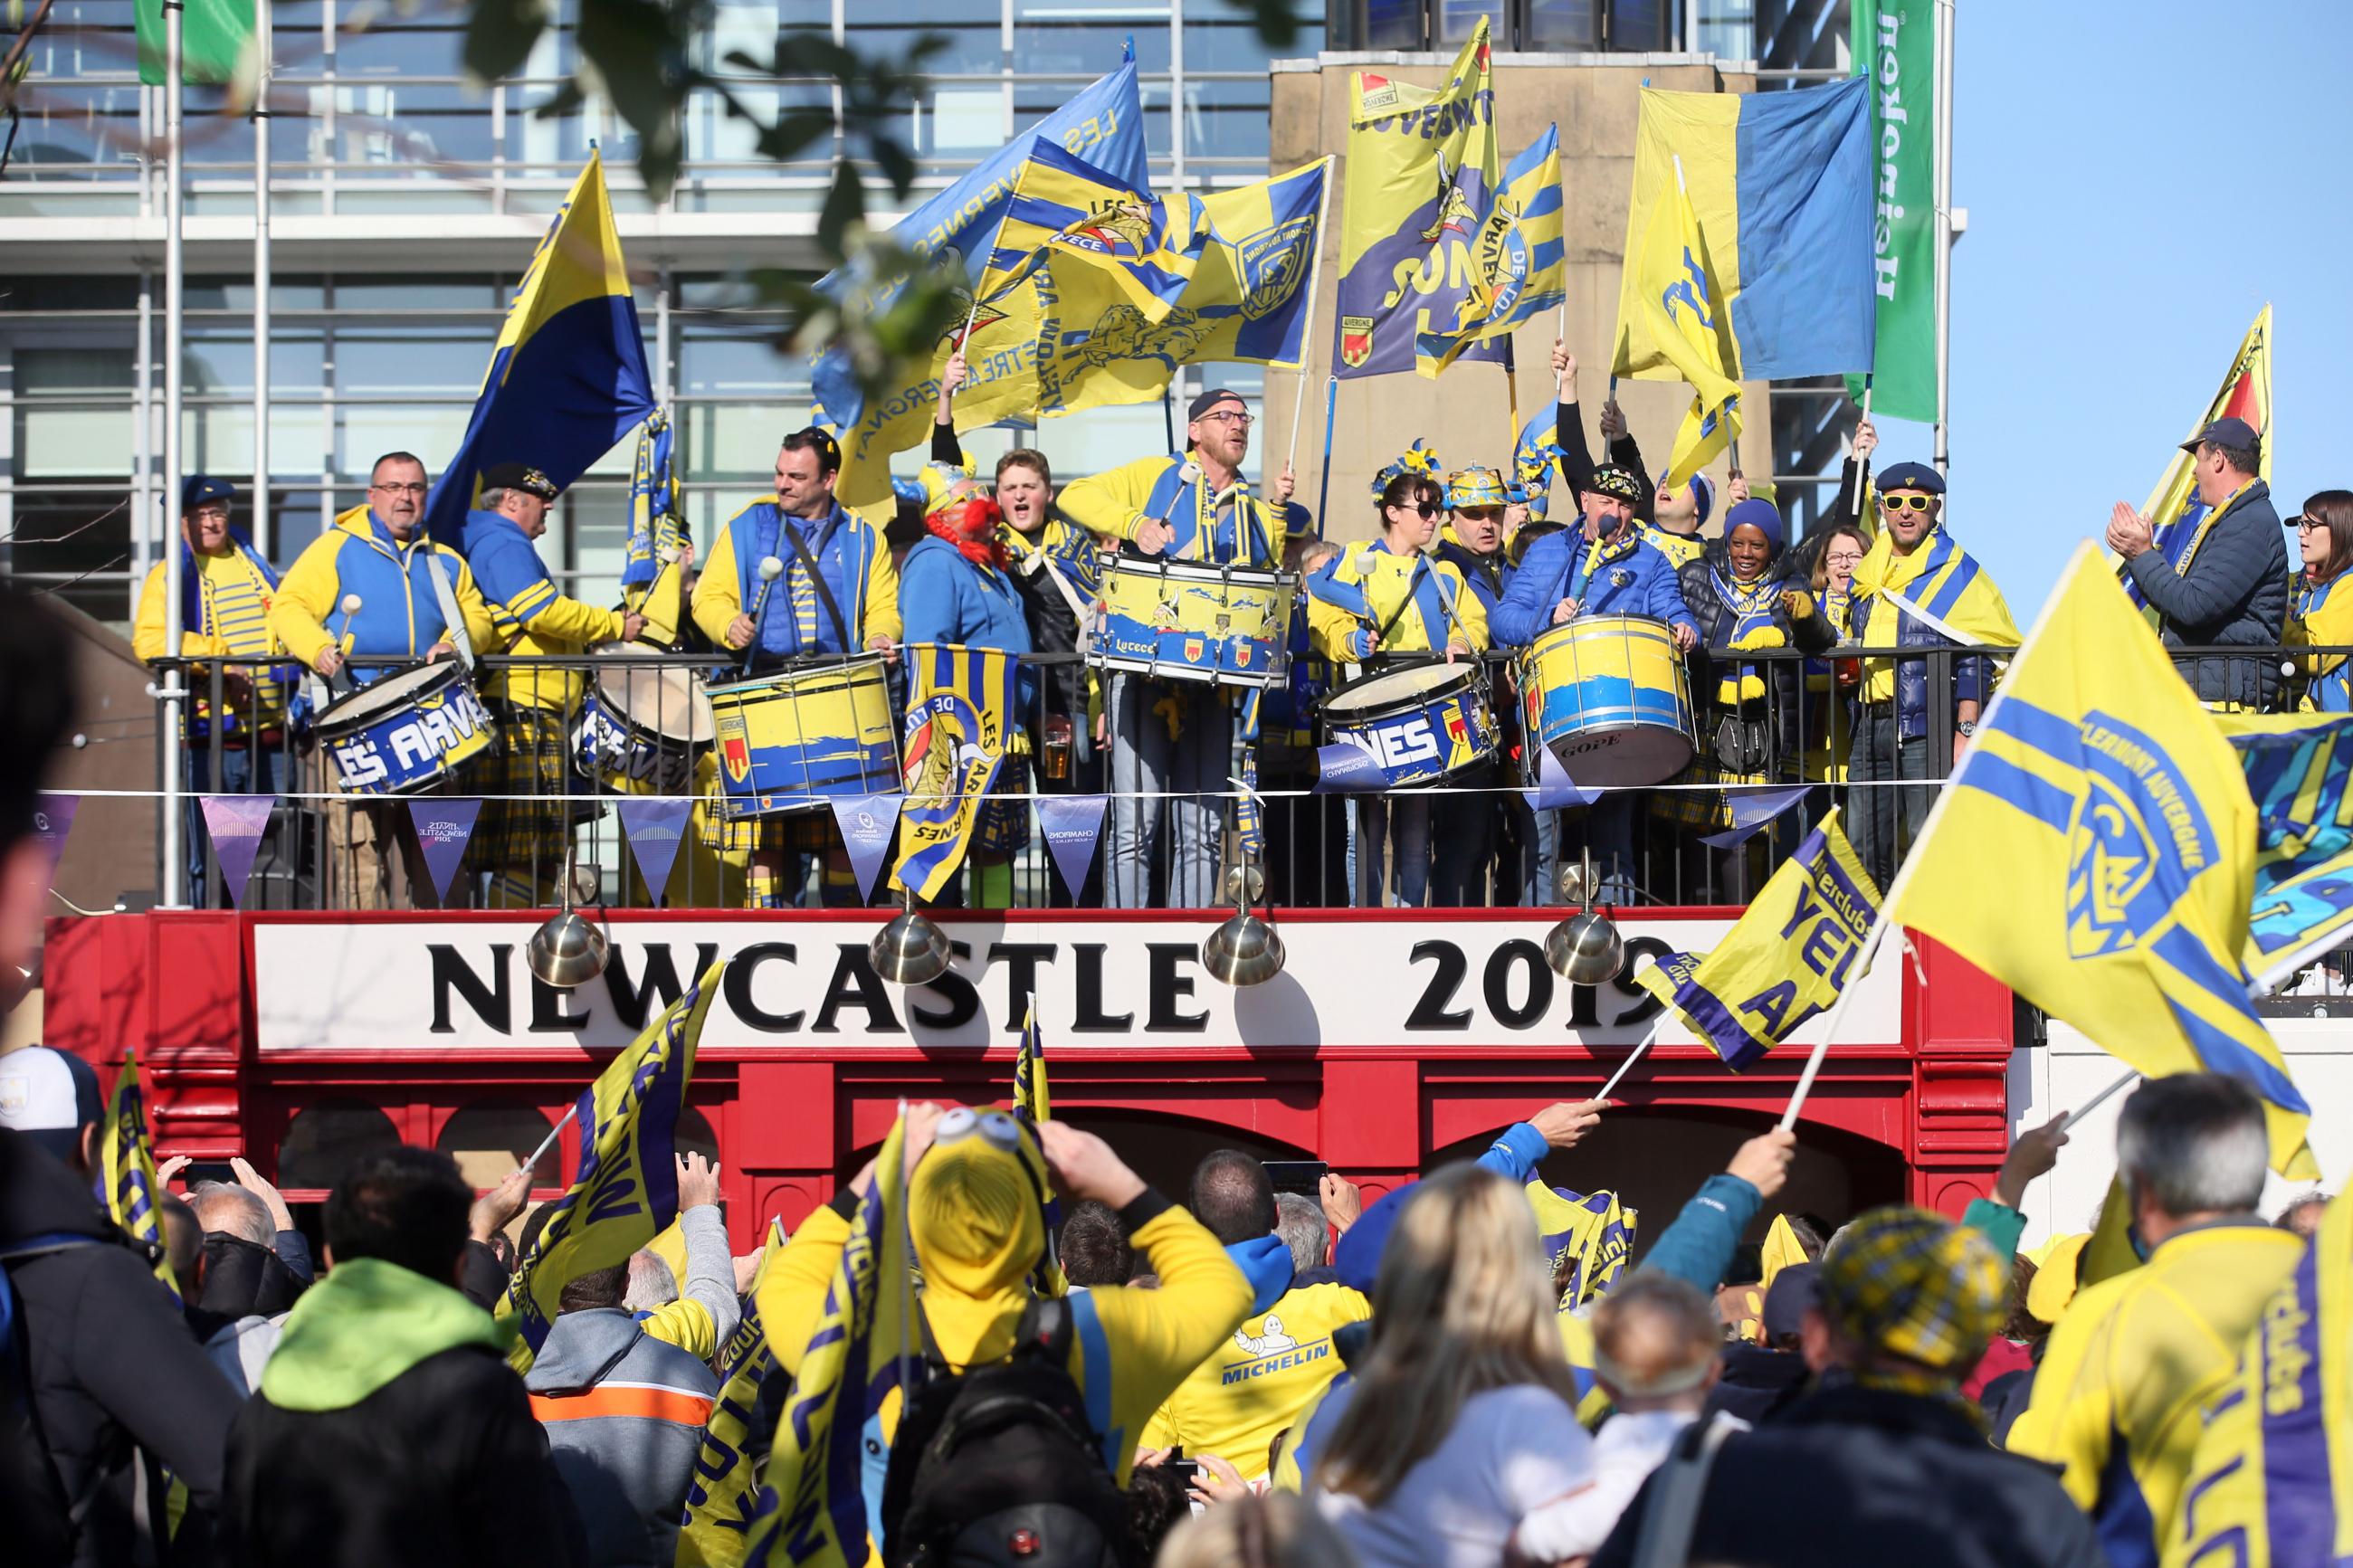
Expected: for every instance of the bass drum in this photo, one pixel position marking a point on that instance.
(1608, 694)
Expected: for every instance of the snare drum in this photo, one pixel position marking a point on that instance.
(1608, 695)
(1422, 724)
(641, 728)
(406, 733)
(794, 739)
(1180, 620)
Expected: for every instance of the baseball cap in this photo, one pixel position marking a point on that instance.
(2227, 432)
(49, 1096)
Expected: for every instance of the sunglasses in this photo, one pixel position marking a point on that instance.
(1906, 503)
(1426, 509)
(1478, 513)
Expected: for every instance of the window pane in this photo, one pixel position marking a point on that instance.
(1638, 25)
(1563, 25)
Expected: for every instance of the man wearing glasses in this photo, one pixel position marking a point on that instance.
(1918, 560)
(1170, 736)
(378, 554)
(226, 589)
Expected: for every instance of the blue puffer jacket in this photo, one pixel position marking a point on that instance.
(1640, 582)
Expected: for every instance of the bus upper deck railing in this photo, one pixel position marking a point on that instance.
(536, 810)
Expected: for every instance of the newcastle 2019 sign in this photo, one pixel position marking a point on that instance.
(1351, 981)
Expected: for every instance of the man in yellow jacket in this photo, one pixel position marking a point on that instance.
(1168, 736)
(226, 591)
(379, 555)
(2136, 1358)
(836, 592)
(520, 844)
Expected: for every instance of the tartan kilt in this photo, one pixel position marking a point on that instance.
(1002, 828)
(526, 839)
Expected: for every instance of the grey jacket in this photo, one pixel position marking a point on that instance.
(2234, 595)
(624, 1414)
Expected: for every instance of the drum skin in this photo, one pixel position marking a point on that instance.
(406, 733)
(1608, 695)
(1175, 620)
(1423, 724)
(641, 728)
(793, 740)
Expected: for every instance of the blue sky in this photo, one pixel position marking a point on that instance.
(2140, 179)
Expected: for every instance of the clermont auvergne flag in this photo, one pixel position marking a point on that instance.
(1788, 957)
(2298, 767)
(1519, 259)
(568, 379)
(127, 1158)
(625, 1190)
(726, 1481)
(1422, 169)
(958, 718)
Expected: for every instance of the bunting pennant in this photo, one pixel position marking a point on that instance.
(1341, 768)
(235, 823)
(654, 827)
(444, 825)
(53, 818)
(1554, 789)
(1751, 811)
(866, 822)
(1072, 824)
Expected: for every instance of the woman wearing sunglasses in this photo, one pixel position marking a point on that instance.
(2324, 605)
(1379, 599)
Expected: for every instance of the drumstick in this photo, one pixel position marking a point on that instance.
(341, 681)
(770, 570)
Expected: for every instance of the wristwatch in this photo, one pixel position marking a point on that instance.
(1968, 727)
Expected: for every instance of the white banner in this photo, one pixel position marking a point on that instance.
(427, 985)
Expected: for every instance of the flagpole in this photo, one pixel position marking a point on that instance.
(175, 858)
(1323, 480)
(1857, 513)
(1307, 328)
(553, 1134)
(1943, 239)
(1641, 1045)
(261, 516)
(2132, 1074)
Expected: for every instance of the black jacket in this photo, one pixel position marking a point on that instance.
(1784, 679)
(116, 1373)
(2234, 594)
(1858, 1475)
(444, 1467)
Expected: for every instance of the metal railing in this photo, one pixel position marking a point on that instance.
(1485, 845)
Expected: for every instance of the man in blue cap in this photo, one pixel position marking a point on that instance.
(1917, 588)
(2225, 585)
(225, 589)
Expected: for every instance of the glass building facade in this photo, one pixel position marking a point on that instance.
(394, 182)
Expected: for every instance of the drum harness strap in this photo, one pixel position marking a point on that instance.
(1034, 560)
(451, 621)
(1420, 565)
(817, 580)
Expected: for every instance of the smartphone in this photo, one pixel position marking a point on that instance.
(1303, 1176)
(1186, 1472)
(207, 1171)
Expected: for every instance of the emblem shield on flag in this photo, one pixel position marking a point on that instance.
(1356, 340)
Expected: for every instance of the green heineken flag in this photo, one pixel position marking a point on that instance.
(1894, 44)
(213, 35)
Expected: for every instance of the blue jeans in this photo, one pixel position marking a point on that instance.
(242, 772)
(1524, 871)
(1409, 815)
(1191, 769)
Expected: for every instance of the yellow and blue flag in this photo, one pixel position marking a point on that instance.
(1423, 166)
(657, 521)
(1519, 259)
(1594, 1231)
(1788, 957)
(1102, 123)
(959, 717)
(2120, 818)
(567, 380)
(2297, 766)
(1780, 183)
(812, 1503)
(725, 1487)
(625, 1190)
(127, 1166)
(2270, 1484)
(2177, 518)
(1033, 1100)
(1677, 300)
(1104, 311)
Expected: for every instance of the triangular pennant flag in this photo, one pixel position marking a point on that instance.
(1554, 789)
(53, 818)
(444, 824)
(866, 821)
(1751, 810)
(1072, 824)
(235, 823)
(1343, 768)
(654, 827)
